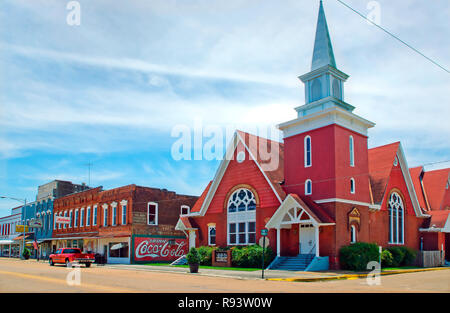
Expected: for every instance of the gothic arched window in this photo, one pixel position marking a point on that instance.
(241, 217)
(396, 219)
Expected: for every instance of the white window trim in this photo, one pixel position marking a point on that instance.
(352, 184)
(95, 214)
(306, 187)
(185, 207)
(88, 216)
(353, 233)
(65, 215)
(105, 215)
(82, 217)
(351, 145)
(75, 223)
(156, 213)
(114, 215)
(122, 215)
(209, 235)
(396, 220)
(71, 218)
(246, 222)
(305, 151)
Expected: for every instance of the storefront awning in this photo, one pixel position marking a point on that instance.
(73, 238)
(6, 242)
(27, 236)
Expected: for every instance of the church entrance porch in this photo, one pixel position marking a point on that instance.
(295, 218)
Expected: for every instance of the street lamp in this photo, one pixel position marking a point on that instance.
(24, 201)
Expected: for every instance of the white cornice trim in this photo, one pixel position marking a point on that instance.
(322, 118)
(371, 206)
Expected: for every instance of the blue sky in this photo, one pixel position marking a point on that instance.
(110, 90)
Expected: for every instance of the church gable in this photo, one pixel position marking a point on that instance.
(242, 174)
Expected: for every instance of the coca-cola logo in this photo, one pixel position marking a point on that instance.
(159, 248)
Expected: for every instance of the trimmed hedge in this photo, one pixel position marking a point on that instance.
(251, 256)
(205, 254)
(356, 256)
(401, 256)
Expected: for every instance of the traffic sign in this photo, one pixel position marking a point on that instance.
(264, 232)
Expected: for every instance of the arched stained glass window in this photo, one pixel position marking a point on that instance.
(241, 200)
(396, 219)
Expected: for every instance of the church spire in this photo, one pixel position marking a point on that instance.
(323, 50)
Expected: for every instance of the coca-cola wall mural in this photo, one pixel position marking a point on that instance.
(150, 249)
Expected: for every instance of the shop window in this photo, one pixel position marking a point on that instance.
(118, 250)
(152, 213)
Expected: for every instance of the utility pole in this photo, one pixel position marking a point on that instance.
(89, 164)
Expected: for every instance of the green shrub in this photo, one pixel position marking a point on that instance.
(205, 254)
(193, 257)
(251, 256)
(386, 259)
(26, 253)
(403, 256)
(410, 256)
(356, 256)
(398, 255)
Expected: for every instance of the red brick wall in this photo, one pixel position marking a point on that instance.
(245, 173)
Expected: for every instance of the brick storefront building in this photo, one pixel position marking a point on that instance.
(327, 190)
(116, 222)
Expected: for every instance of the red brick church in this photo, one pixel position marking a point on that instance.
(328, 189)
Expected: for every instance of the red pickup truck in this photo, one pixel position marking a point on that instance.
(71, 255)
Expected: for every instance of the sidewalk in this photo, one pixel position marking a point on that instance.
(274, 275)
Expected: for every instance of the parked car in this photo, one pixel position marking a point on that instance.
(68, 256)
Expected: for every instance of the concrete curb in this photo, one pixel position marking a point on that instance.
(356, 276)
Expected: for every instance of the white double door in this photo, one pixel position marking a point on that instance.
(307, 239)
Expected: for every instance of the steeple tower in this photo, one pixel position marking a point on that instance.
(326, 145)
(324, 84)
(323, 50)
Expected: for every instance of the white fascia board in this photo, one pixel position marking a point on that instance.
(370, 205)
(409, 184)
(219, 174)
(264, 174)
(222, 168)
(333, 115)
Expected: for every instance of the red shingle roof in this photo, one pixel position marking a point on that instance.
(198, 204)
(415, 176)
(434, 183)
(275, 175)
(319, 213)
(381, 161)
(438, 219)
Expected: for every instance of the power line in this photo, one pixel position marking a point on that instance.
(394, 36)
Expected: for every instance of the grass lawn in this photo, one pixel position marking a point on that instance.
(400, 268)
(208, 267)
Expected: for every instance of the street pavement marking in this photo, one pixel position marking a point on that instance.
(63, 282)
